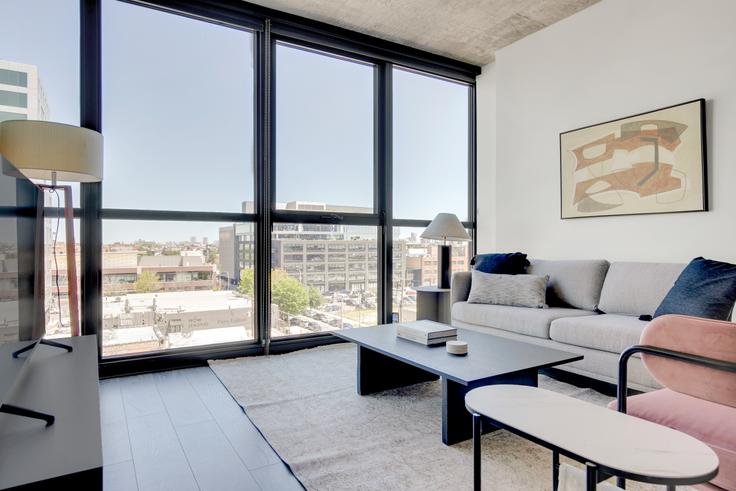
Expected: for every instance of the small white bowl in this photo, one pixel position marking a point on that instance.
(457, 347)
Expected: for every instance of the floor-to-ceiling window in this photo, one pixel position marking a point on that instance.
(178, 121)
(324, 266)
(431, 174)
(265, 177)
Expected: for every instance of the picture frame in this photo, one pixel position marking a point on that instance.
(653, 162)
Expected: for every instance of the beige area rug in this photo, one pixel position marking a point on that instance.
(306, 406)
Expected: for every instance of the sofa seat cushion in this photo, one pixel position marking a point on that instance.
(712, 423)
(607, 332)
(521, 320)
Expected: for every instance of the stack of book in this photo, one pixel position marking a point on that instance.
(426, 332)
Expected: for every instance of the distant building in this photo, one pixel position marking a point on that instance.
(331, 257)
(173, 273)
(122, 268)
(329, 265)
(9, 321)
(21, 93)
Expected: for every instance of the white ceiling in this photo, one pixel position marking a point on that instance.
(467, 30)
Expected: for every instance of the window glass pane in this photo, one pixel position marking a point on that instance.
(177, 111)
(56, 280)
(324, 132)
(323, 278)
(14, 99)
(415, 264)
(430, 145)
(165, 286)
(13, 77)
(39, 62)
(6, 116)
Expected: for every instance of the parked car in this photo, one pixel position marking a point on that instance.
(347, 325)
(335, 322)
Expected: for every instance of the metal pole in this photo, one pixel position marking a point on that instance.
(591, 481)
(476, 452)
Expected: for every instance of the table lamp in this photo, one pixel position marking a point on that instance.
(445, 226)
(56, 152)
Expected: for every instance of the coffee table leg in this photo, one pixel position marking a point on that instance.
(456, 420)
(555, 470)
(457, 424)
(377, 372)
(476, 451)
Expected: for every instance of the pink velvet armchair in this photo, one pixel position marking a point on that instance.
(695, 360)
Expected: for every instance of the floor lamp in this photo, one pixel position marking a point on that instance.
(55, 152)
(445, 226)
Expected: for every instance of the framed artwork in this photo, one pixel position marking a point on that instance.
(654, 162)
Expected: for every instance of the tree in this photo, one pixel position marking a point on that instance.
(247, 280)
(288, 293)
(315, 297)
(212, 255)
(147, 282)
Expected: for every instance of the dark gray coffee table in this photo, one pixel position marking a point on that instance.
(387, 362)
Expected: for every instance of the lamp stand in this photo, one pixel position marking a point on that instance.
(71, 256)
(444, 265)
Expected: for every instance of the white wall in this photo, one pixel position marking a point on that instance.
(486, 148)
(614, 59)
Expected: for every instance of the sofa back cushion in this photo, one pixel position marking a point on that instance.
(637, 288)
(576, 283)
(501, 263)
(705, 288)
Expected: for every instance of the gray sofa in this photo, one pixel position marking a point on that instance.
(577, 294)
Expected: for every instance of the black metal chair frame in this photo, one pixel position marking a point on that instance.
(623, 364)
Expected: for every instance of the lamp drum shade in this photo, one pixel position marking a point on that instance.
(446, 226)
(39, 148)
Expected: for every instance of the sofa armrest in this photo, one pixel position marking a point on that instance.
(460, 286)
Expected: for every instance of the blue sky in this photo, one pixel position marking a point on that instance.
(178, 118)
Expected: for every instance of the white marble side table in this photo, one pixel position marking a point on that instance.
(609, 443)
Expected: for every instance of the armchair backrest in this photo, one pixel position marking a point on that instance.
(703, 337)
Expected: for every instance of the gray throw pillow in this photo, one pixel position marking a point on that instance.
(516, 290)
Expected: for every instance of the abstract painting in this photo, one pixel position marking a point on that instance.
(654, 162)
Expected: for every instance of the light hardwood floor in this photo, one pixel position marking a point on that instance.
(181, 430)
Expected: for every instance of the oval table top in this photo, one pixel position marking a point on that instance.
(632, 447)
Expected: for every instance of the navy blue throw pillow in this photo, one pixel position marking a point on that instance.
(705, 288)
(511, 263)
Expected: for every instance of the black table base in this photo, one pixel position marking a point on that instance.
(377, 372)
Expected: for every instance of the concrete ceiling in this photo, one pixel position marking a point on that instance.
(466, 30)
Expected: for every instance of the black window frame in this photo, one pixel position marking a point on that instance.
(268, 27)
